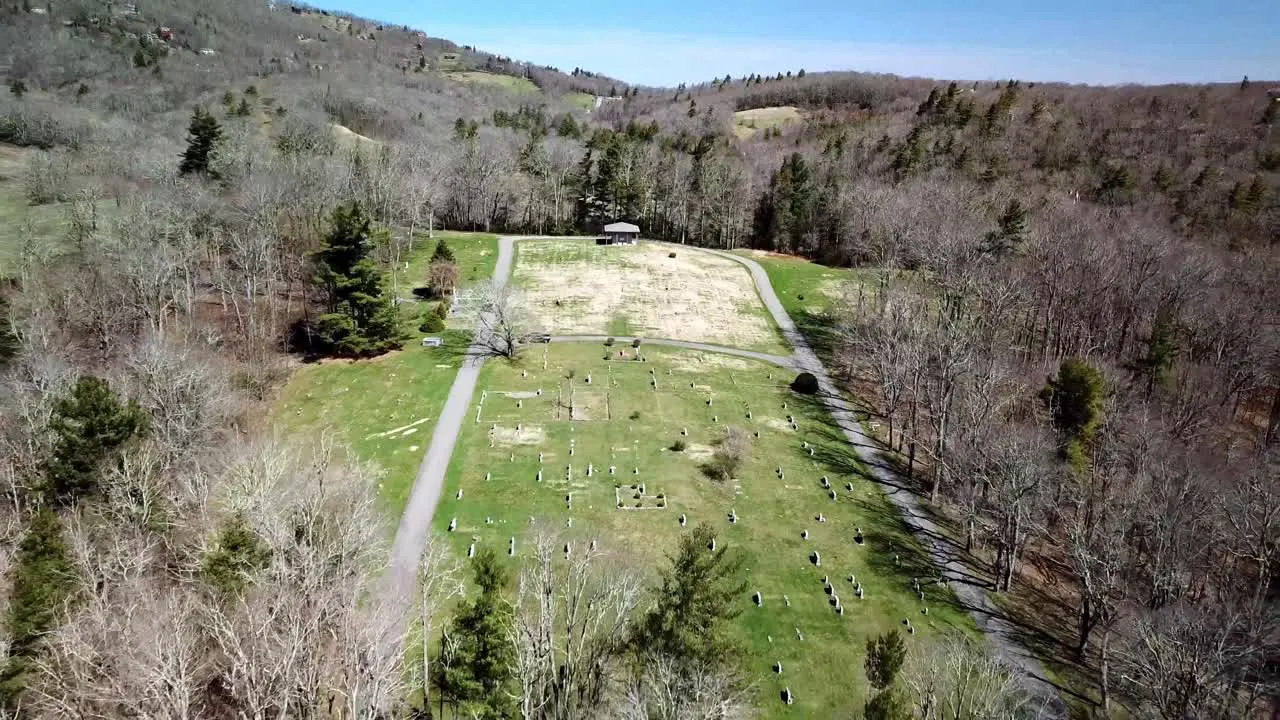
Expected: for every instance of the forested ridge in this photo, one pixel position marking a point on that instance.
(1064, 322)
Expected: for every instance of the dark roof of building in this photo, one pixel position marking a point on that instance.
(621, 227)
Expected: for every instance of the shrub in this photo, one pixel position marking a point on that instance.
(731, 451)
(635, 414)
(431, 322)
(805, 384)
(299, 136)
(635, 343)
(608, 342)
(679, 445)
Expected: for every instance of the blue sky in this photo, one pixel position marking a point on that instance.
(665, 42)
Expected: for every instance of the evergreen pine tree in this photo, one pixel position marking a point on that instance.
(693, 108)
(910, 155)
(9, 344)
(885, 655)
(926, 108)
(1244, 83)
(1074, 398)
(1161, 351)
(479, 671)
(42, 579)
(89, 425)
(361, 319)
(203, 136)
(442, 253)
(699, 592)
(239, 552)
(1011, 230)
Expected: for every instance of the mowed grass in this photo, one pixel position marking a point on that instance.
(747, 122)
(650, 289)
(585, 101)
(476, 254)
(505, 82)
(625, 423)
(384, 409)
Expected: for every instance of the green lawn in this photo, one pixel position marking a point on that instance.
(384, 409)
(585, 101)
(506, 82)
(624, 422)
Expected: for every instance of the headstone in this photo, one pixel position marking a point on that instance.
(851, 579)
(635, 471)
(805, 444)
(826, 485)
(540, 456)
(588, 378)
(777, 667)
(759, 601)
(799, 635)
(804, 534)
(524, 373)
(848, 486)
(613, 469)
(715, 418)
(839, 609)
(708, 402)
(831, 494)
(857, 536)
(471, 550)
(816, 558)
(566, 549)
(682, 520)
(511, 547)
(786, 696)
(459, 497)
(512, 458)
(925, 611)
(859, 592)
(488, 520)
(822, 518)
(826, 586)
(593, 545)
(712, 545)
(590, 469)
(757, 433)
(519, 403)
(811, 451)
(539, 476)
(786, 601)
(487, 476)
(568, 522)
(748, 414)
(453, 524)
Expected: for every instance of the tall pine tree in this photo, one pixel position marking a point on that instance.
(42, 579)
(477, 671)
(361, 320)
(89, 425)
(203, 136)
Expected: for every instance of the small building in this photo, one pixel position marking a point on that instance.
(619, 233)
(432, 342)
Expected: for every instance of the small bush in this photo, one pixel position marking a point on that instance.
(608, 342)
(635, 343)
(805, 384)
(731, 451)
(679, 445)
(635, 414)
(671, 255)
(432, 323)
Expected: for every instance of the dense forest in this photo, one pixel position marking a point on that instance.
(1067, 322)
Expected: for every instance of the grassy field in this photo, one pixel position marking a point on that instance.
(37, 230)
(748, 122)
(621, 421)
(384, 409)
(586, 101)
(400, 392)
(577, 287)
(506, 82)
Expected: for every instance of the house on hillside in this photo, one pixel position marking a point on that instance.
(619, 233)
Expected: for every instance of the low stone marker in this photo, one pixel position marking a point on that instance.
(453, 524)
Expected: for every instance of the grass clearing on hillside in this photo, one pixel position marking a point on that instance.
(36, 231)
(577, 287)
(505, 82)
(384, 409)
(586, 101)
(621, 421)
(476, 254)
(747, 122)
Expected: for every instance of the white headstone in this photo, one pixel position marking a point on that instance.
(804, 534)
(759, 601)
(459, 497)
(471, 550)
(511, 547)
(453, 524)
(682, 520)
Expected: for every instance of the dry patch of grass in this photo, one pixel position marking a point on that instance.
(348, 137)
(579, 288)
(747, 122)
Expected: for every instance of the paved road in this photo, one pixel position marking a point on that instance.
(416, 522)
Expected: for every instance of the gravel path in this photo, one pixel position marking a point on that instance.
(416, 522)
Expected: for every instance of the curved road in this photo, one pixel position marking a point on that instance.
(416, 522)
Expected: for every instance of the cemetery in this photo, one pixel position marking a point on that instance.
(631, 451)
